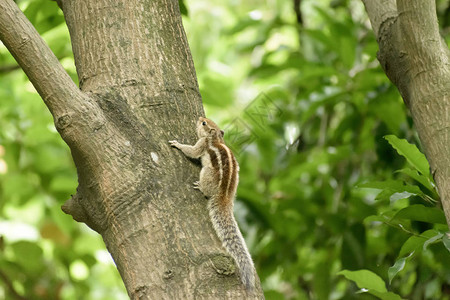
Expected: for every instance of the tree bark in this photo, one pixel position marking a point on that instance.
(416, 59)
(138, 89)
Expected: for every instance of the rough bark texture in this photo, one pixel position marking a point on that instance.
(138, 90)
(416, 60)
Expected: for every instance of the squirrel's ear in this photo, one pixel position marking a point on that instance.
(222, 133)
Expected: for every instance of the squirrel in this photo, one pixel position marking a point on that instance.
(219, 178)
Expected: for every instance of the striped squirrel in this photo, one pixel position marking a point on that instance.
(219, 178)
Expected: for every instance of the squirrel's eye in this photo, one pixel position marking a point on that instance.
(204, 123)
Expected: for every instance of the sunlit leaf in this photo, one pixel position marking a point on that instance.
(397, 267)
(432, 240)
(371, 283)
(365, 279)
(414, 157)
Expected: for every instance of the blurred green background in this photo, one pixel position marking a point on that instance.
(333, 202)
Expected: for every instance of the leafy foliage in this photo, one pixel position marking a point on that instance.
(335, 199)
(314, 158)
(371, 283)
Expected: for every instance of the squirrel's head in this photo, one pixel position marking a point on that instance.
(207, 128)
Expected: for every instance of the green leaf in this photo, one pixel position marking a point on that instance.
(183, 8)
(377, 218)
(346, 51)
(432, 240)
(216, 90)
(393, 190)
(63, 183)
(414, 157)
(19, 186)
(386, 106)
(398, 266)
(44, 15)
(28, 255)
(415, 243)
(371, 283)
(273, 294)
(381, 185)
(425, 181)
(403, 195)
(365, 279)
(418, 212)
(446, 240)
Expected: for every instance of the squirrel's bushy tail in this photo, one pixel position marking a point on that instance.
(228, 231)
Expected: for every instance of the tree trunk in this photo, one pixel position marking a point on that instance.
(416, 60)
(138, 90)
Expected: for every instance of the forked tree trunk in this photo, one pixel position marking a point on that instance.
(416, 60)
(138, 89)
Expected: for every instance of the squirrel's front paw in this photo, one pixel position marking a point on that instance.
(174, 144)
(196, 185)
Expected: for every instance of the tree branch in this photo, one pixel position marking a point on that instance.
(37, 60)
(418, 25)
(77, 116)
(379, 12)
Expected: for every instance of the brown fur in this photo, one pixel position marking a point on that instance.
(218, 182)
